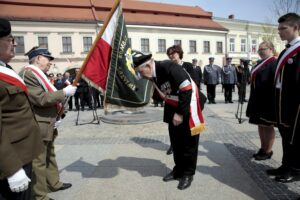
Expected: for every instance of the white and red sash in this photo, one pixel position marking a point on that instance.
(44, 81)
(260, 65)
(284, 59)
(196, 120)
(10, 76)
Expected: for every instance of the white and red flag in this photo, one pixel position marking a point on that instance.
(97, 63)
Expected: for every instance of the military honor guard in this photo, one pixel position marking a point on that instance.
(47, 106)
(182, 112)
(211, 78)
(20, 139)
(229, 79)
(260, 109)
(287, 88)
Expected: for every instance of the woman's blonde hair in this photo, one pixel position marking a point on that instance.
(271, 46)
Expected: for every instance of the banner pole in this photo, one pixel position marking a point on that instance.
(113, 9)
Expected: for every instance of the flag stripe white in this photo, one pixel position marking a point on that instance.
(111, 27)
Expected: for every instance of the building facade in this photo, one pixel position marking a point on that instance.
(68, 31)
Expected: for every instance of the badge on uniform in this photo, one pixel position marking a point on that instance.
(290, 61)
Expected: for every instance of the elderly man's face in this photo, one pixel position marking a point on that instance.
(145, 71)
(43, 63)
(7, 48)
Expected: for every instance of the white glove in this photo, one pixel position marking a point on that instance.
(70, 90)
(58, 123)
(18, 182)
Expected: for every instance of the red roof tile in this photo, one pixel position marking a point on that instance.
(135, 12)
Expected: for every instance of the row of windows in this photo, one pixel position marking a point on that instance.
(243, 45)
(145, 45)
(66, 44)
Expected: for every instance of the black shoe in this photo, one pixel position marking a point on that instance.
(245, 100)
(185, 182)
(264, 156)
(230, 101)
(260, 152)
(170, 177)
(213, 102)
(276, 172)
(63, 187)
(51, 199)
(226, 101)
(285, 178)
(170, 151)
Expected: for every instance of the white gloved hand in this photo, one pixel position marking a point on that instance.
(58, 123)
(19, 181)
(70, 90)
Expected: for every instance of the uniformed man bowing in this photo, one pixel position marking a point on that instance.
(179, 92)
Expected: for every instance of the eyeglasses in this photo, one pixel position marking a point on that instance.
(10, 39)
(262, 49)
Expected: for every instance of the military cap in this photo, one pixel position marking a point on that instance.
(35, 51)
(5, 27)
(139, 58)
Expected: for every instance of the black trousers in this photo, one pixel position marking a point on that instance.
(7, 194)
(185, 149)
(228, 92)
(290, 158)
(242, 92)
(211, 92)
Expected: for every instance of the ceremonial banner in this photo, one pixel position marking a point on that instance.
(122, 86)
(109, 67)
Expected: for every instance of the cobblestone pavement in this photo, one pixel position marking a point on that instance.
(108, 161)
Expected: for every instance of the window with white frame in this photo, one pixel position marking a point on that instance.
(193, 46)
(43, 41)
(177, 42)
(67, 44)
(232, 45)
(206, 47)
(145, 45)
(243, 45)
(219, 47)
(87, 43)
(20, 48)
(254, 46)
(161, 45)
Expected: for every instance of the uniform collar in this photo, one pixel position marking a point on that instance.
(2, 63)
(294, 41)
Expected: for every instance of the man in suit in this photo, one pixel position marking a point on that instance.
(287, 87)
(211, 77)
(229, 80)
(172, 80)
(47, 105)
(20, 140)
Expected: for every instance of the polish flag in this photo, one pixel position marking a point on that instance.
(98, 60)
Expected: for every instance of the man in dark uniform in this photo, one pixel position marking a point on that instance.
(229, 80)
(198, 73)
(243, 78)
(20, 139)
(287, 85)
(211, 77)
(172, 79)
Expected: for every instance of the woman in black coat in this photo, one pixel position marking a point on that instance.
(261, 104)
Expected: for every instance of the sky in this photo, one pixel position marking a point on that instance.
(251, 10)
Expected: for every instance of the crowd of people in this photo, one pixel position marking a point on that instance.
(31, 105)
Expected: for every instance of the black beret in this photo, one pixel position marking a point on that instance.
(35, 51)
(5, 27)
(139, 58)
